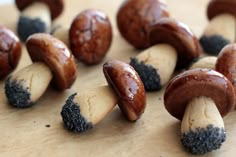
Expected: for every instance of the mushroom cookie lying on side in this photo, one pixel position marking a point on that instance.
(36, 16)
(53, 61)
(208, 62)
(222, 26)
(86, 109)
(89, 36)
(200, 98)
(135, 17)
(174, 47)
(10, 51)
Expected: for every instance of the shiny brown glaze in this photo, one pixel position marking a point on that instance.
(195, 83)
(56, 6)
(90, 36)
(216, 7)
(128, 86)
(178, 35)
(54, 53)
(135, 17)
(10, 51)
(226, 63)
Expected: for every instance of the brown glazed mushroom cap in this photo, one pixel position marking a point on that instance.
(53, 52)
(226, 63)
(128, 86)
(90, 36)
(178, 35)
(10, 51)
(56, 6)
(135, 17)
(195, 83)
(216, 7)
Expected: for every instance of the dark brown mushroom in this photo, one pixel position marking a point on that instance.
(10, 51)
(174, 47)
(200, 98)
(83, 111)
(221, 28)
(135, 17)
(36, 15)
(53, 61)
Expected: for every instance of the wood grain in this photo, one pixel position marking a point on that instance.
(157, 134)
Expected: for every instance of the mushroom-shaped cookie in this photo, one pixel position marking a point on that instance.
(135, 17)
(174, 46)
(221, 29)
(200, 98)
(36, 15)
(89, 37)
(10, 51)
(53, 61)
(81, 112)
(226, 63)
(208, 62)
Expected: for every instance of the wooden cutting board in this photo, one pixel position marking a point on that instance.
(24, 132)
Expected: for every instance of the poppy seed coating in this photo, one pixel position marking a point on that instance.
(16, 94)
(148, 74)
(27, 27)
(213, 44)
(203, 140)
(72, 118)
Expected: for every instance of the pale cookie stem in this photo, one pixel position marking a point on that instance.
(38, 10)
(26, 86)
(86, 109)
(219, 33)
(208, 62)
(223, 25)
(202, 126)
(163, 58)
(62, 33)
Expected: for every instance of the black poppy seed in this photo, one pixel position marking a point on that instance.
(16, 94)
(148, 74)
(203, 140)
(27, 27)
(72, 118)
(213, 44)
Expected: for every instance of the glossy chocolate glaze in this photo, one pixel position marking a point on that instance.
(216, 7)
(195, 83)
(56, 6)
(226, 63)
(178, 35)
(135, 17)
(128, 86)
(53, 52)
(10, 51)
(90, 36)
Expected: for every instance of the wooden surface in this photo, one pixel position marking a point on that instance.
(23, 132)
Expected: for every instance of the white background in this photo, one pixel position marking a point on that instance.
(6, 1)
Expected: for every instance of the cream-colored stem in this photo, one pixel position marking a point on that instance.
(35, 78)
(223, 25)
(200, 113)
(38, 10)
(162, 57)
(62, 33)
(96, 103)
(208, 62)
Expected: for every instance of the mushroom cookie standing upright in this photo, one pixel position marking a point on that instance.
(89, 36)
(174, 47)
(36, 16)
(86, 109)
(222, 26)
(200, 98)
(53, 61)
(135, 17)
(10, 51)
